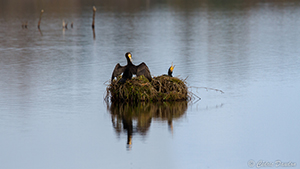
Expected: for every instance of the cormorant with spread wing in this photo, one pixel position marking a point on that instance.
(131, 69)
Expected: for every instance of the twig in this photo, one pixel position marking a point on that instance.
(194, 98)
(207, 88)
(199, 98)
(186, 78)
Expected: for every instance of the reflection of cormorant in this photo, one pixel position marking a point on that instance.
(131, 69)
(127, 125)
(137, 118)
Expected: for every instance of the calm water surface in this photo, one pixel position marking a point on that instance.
(53, 83)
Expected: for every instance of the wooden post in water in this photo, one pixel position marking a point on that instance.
(64, 25)
(94, 12)
(93, 24)
(42, 11)
(24, 25)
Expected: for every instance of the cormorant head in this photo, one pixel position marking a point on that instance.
(171, 70)
(128, 57)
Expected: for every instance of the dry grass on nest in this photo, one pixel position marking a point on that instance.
(161, 88)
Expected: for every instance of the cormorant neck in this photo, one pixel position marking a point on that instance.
(170, 73)
(129, 61)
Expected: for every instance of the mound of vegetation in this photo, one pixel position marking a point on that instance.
(161, 88)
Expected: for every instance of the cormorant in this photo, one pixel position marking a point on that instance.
(131, 69)
(170, 71)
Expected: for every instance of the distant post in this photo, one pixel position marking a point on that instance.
(42, 11)
(94, 12)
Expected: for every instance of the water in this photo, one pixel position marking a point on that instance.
(53, 81)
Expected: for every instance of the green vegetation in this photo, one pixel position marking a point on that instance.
(161, 88)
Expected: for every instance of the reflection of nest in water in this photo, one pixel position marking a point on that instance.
(161, 88)
(124, 114)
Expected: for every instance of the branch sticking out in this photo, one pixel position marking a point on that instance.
(208, 88)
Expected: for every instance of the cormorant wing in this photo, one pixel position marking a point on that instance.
(117, 71)
(142, 69)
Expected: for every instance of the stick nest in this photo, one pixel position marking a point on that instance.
(161, 88)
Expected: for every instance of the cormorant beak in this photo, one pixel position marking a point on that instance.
(172, 67)
(129, 56)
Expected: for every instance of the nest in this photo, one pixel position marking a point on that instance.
(161, 88)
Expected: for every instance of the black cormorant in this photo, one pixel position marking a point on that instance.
(170, 71)
(131, 69)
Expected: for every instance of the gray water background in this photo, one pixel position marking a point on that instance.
(53, 83)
